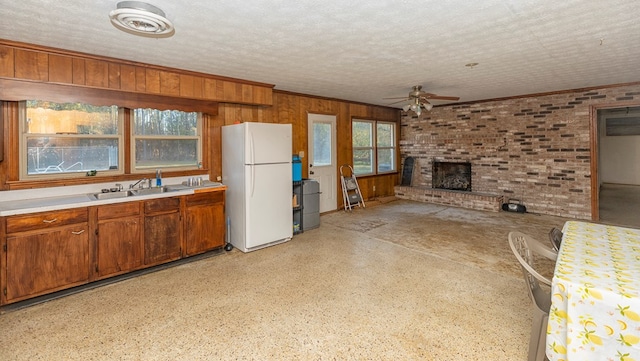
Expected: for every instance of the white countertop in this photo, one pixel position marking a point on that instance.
(32, 200)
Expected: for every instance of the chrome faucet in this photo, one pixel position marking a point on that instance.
(141, 182)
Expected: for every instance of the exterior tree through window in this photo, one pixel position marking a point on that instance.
(374, 147)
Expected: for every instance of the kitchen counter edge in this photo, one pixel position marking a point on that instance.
(76, 201)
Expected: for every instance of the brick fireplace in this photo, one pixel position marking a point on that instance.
(536, 149)
(451, 186)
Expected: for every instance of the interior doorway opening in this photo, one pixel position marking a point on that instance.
(617, 188)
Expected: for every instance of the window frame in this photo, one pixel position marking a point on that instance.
(126, 146)
(375, 148)
(393, 148)
(23, 145)
(370, 148)
(133, 137)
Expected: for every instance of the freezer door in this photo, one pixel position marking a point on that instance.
(267, 143)
(268, 208)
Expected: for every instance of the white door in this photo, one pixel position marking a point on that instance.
(322, 158)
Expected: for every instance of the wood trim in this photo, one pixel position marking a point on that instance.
(2, 117)
(92, 225)
(10, 167)
(17, 90)
(533, 95)
(3, 261)
(126, 128)
(595, 188)
(594, 143)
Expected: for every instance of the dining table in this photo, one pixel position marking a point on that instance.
(595, 294)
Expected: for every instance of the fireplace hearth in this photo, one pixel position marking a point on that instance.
(452, 176)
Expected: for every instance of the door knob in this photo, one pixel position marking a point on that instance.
(311, 172)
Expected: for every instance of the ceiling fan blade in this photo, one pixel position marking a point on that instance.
(399, 101)
(442, 97)
(396, 98)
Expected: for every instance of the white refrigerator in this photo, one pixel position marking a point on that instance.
(256, 168)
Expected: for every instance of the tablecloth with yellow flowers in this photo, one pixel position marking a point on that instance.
(595, 295)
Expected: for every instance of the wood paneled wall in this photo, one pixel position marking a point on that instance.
(48, 65)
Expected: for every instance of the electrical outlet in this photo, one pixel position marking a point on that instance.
(301, 154)
(218, 178)
(374, 188)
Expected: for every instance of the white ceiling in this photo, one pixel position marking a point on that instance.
(363, 50)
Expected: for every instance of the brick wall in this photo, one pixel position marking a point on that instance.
(536, 149)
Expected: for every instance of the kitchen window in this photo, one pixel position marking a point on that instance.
(374, 147)
(168, 139)
(65, 140)
(69, 138)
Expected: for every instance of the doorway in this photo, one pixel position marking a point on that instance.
(616, 188)
(322, 158)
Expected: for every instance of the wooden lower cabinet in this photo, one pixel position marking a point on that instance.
(51, 251)
(162, 230)
(119, 247)
(204, 225)
(44, 262)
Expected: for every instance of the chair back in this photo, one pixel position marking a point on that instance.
(555, 236)
(525, 248)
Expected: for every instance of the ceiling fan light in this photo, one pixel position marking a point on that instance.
(406, 107)
(418, 111)
(428, 106)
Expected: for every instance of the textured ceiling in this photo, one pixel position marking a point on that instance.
(363, 50)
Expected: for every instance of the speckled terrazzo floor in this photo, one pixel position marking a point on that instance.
(395, 281)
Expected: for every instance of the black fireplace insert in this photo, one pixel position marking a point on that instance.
(451, 175)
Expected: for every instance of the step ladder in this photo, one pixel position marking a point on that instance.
(350, 190)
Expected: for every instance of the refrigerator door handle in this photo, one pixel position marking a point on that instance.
(252, 178)
(251, 149)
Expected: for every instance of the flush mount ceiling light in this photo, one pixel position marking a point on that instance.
(140, 18)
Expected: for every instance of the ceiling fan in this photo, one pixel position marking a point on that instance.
(419, 99)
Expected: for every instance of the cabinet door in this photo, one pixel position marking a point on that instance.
(161, 238)
(119, 246)
(44, 262)
(204, 228)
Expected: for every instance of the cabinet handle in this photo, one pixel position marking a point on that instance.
(49, 220)
(78, 232)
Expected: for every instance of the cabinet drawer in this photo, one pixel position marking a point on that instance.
(45, 220)
(118, 210)
(162, 205)
(205, 198)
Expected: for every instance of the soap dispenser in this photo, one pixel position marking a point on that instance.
(158, 178)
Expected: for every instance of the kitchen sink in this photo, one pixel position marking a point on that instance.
(130, 193)
(147, 191)
(112, 195)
